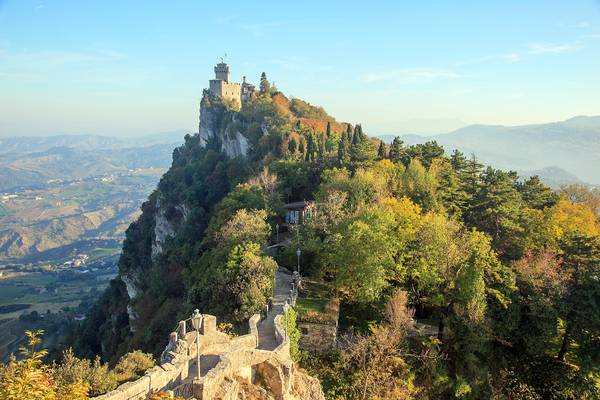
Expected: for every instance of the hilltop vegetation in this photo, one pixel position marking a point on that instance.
(564, 151)
(508, 271)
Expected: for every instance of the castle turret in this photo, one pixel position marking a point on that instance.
(222, 72)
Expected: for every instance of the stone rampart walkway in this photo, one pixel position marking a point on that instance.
(266, 328)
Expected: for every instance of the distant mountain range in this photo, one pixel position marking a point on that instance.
(27, 161)
(560, 152)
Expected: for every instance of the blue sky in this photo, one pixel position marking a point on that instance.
(138, 67)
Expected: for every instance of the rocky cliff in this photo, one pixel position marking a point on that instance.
(142, 303)
(165, 269)
(222, 124)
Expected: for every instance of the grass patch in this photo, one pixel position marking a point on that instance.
(306, 304)
(313, 298)
(3, 211)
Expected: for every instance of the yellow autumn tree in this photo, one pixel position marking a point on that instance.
(566, 218)
(29, 378)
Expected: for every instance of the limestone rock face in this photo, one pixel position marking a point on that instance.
(217, 122)
(163, 229)
(272, 381)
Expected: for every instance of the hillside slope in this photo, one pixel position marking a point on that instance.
(167, 243)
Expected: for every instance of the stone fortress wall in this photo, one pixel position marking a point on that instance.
(227, 365)
(227, 90)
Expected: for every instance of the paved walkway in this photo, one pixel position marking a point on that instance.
(207, 362)
(266, 328)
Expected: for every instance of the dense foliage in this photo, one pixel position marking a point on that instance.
(505, 271)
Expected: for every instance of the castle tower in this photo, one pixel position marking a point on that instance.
(221, 87)
(222, 71)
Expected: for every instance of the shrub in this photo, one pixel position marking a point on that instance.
(95, 374)
(132, 365)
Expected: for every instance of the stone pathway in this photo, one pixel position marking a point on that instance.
(207, 362)
(266, 328)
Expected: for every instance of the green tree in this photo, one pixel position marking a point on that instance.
(265, 86)
(535, 194)
(362, 152)
(498, 210)
(358, 136)
(344, 149)
(381, 151)
(470, 174)
(360, 257)
(458, 161)
(419, 185)
(28, 378)
(450, 192)
(397, 150)
(581, 258)
(292, 146)
(247, 281)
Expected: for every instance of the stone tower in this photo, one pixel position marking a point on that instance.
(221, 87)
(222, 71)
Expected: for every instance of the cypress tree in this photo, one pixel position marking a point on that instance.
(358, 135)
(350, 134)
(343, 148)
(265, 87)
(381, 153)
(292, 145)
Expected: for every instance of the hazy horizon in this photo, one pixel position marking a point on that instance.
(399, 132)
(117, 69)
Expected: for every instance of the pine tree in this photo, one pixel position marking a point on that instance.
(381, 152)
(458, 161)
(470, 176)
(497, 209)
(265, 87)
(536, 194)
(396, 150)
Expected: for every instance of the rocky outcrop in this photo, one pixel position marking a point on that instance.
(220, 123)
(163, 229)
(268, 386)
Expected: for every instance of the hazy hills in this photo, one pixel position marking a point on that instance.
(559, 152)
(26, 161)
(63, 193)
